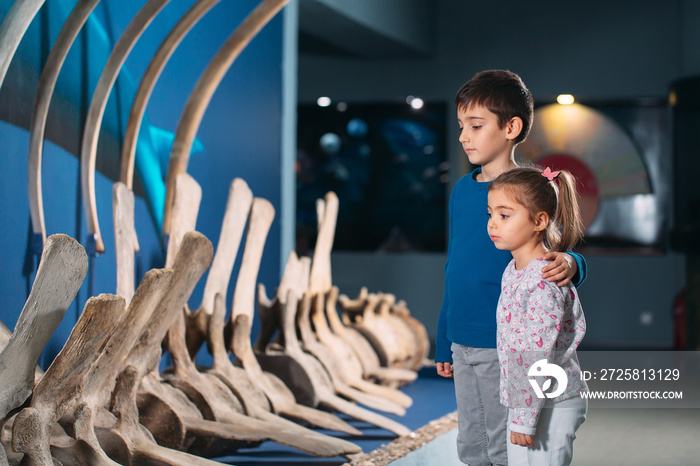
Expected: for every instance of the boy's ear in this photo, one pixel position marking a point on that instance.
(514, 127)
(541, 221)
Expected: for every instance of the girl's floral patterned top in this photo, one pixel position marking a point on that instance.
(536, 320)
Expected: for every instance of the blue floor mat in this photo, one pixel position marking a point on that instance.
(433, 397)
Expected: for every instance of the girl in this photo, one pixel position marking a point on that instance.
(540, 325)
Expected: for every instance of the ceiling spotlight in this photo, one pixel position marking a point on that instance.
(416, 102)
(323, 101)
(565, 99)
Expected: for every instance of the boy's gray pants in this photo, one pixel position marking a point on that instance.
(481, 438)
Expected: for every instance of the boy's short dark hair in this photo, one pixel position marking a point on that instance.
(503, 93)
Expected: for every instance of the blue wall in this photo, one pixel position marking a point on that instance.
(241, 134)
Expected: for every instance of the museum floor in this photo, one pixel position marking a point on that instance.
(610, 437)
(433, 397)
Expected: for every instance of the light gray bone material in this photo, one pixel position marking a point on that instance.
(338, 359)
(193, 258)
(293, 365)
(125, 242)
(63, 384)
(185, 210)
(215, 400)
(409, 340)
(348, 363)
(261, 217)
(240, 199)
(61, 271)
(422, 347)
(368, 357)
(397, 336)
(327, 361)
(360, 317)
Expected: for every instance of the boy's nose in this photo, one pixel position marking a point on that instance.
(463, 136)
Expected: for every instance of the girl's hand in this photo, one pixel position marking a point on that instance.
(562, 268)
(523, 440)
(445, 369)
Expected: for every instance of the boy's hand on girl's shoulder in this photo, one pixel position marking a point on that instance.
(561, 270)
(523, 440)
(444, 369)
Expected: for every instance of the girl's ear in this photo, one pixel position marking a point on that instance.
(514, 127)
(541, 221)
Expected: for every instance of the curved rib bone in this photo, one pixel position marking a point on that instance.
(91, 131)
(148, 82)
(124, 233)
(14, 25)
(200, 97)
(47, 82)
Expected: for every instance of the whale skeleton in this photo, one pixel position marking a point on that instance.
(104, 386)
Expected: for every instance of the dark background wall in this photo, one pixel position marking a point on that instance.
(241, 133)
(595, 50)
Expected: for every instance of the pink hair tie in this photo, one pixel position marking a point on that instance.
(549, 174)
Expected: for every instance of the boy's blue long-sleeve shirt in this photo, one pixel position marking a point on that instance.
(473, 272)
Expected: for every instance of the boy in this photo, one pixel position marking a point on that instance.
(495, 112)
